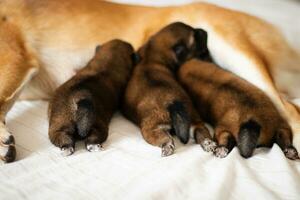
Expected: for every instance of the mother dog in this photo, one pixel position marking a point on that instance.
(43, 43)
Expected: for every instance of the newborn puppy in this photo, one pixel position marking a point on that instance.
(240, 112)
(153, 98)
(83, 106)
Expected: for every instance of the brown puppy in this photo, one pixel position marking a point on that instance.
(239, 111)
(83, 106)
(154, 100)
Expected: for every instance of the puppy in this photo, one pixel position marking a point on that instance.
(153, 98)
(83, 106)
(240, 112)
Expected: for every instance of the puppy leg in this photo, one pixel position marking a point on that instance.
(97, 136)
(203, 137)
(63, 137)
(284, 140)
(256, 65)
(17, 68)
(225, 141)
(156, 131)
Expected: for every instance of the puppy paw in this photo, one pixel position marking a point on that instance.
(167, 149)
(208, 145)
(94, 147)
(7, 145)
(291, 153)
(67, 151)
(221, 152)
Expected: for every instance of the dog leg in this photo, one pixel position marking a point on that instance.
(225, 142)
(63, 138)
(62, 131)
(96, 137)
(284, 140)
(157, 133)
(203, 137)
(17, 68)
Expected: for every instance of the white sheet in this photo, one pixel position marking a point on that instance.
(129, 168)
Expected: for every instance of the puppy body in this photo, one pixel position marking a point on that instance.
(155, 101)
(84, 105)
(239, 111)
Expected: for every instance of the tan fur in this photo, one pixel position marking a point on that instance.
(59, 37)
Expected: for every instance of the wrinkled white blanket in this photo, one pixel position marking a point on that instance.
(129, 168)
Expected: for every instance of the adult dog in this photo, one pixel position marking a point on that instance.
(42, 44)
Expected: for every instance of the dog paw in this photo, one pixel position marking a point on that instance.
(167, 149)
(94, 147)
(221, 152)
(208, 145)
(7, 146)
(291, 153)
(67, 151)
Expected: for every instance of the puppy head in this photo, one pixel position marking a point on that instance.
(174, 44)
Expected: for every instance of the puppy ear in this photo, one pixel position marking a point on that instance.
(201, 39)
(135, 58)
(98, 47)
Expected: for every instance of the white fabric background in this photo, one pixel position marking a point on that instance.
(129, 168)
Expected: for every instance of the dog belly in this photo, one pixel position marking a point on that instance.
(288, 81)
(57, 66)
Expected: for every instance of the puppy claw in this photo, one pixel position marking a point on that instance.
(67, 151)
(221, 152)
(94, 147)
(167, 149)
(208, 145)
(291, 153)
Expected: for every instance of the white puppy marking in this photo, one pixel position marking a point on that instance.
(291, 153)
(168, 148)
(94, 147)
(67, 151)
(208, 145)
(221, 152)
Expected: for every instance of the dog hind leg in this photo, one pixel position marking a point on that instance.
(156, 131)
(97, 136)
(225, 141)
(203, 137)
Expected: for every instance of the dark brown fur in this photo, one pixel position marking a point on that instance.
(154, 100)
(240, 112)
(83, 107)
